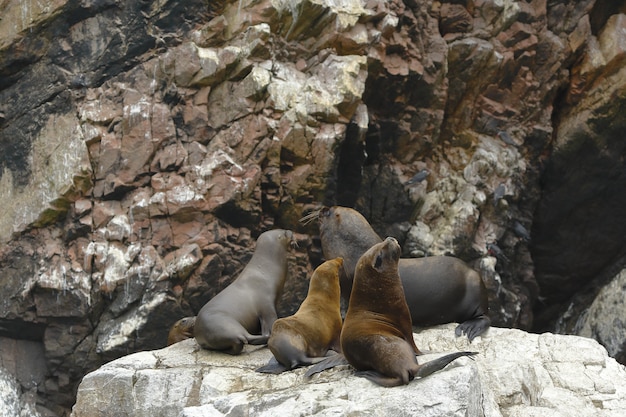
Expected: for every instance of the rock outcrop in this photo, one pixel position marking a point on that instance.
(12, 402)
(604, 319)
(144, 146)
(514, 374)
(583, 179)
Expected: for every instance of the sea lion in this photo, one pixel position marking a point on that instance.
(181, 330)
(305, 337)
(377, 335)
(438, 289)
(245, 311)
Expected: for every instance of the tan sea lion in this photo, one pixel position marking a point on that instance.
(377, 335)
(305, 337)
(245, 311)
(438, 289)
(181, 330)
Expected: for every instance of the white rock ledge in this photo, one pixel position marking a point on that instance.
(515, 374)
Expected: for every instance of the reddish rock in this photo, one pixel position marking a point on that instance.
(454, 18)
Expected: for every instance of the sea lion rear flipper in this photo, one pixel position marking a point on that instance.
(327, 363)
(377, 378)
(272, 367)
(257, 339)
(435, 365)
(474, 327)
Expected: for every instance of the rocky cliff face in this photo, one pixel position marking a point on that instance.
(145, 145)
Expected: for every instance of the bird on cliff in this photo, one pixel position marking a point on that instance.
(520, 231)
(419, 177)
(498, 193)
(494, 250)
(506, 138)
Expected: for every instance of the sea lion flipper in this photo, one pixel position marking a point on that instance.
(257, 339)
(267, 320)
(272, 367)
(380, 379)
(473, 328)
(327, 363)
(435, 365)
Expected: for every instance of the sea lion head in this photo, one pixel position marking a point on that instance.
(326, 277)
(284, 238)
(181, 330)
(377, 284)
(345, 233)
(345, 229)
(382, 257)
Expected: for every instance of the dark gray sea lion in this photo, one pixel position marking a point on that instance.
(438, 289)
(245, 311)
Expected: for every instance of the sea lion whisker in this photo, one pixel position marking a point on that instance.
(314, 215)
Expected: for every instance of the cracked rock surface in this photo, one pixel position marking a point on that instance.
(514, 374)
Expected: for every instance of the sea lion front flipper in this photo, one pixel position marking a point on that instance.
(435, 365)
(272, 367)
(327, 363)
(473, 327)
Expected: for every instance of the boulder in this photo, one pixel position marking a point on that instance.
(514, 374)
(604, 319)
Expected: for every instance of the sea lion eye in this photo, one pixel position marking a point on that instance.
(325, 211)
(378, 261)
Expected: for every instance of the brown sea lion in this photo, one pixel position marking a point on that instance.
(438, 289)
(181, 330)
(377, 335)
(245, 311)
(305, 337)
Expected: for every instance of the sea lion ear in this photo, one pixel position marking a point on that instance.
(377, 262)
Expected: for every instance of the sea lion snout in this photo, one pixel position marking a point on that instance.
(392, 240)
(293, 243)
(393, 247)
(181, 330)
